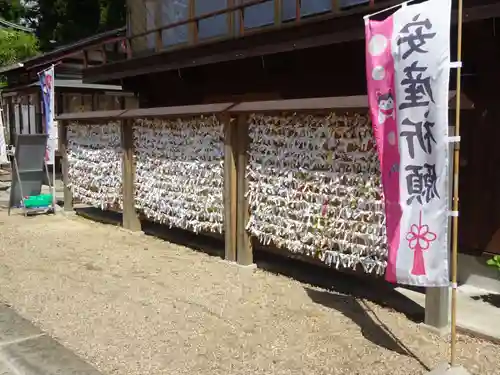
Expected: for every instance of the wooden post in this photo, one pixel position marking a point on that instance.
(85, 59)
(241, 15)
(63, 150)
(38, 113)
(128, 46)
(230, 187)
(336, 6)
(95, 101)
(104, 54)
(130, 219)
(158, 23)
(193, 25)
(244, 253)
(230, 19)
(278, 11)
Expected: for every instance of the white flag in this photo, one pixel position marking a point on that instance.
(408, 69)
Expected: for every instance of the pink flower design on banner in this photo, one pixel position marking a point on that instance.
(419, 239)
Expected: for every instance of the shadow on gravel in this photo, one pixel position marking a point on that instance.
(100, 216)
(372, 328)
(353, 285)
(357, 285)
(207, 244)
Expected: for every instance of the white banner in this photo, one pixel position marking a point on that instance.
(408, 68)
(47, 87)
(3, 146)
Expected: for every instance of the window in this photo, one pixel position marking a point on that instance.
(174, 11)
(151, 22)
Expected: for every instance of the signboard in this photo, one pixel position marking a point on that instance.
(408, 68)
(28, 168)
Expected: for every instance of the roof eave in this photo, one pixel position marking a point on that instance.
(74, 47)
(11, 67)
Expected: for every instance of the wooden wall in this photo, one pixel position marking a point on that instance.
(480, 182)
(22, 114)
(96, 101)
(339, 70)
(329, 71)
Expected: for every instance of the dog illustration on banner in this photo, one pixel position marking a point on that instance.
(385, 107)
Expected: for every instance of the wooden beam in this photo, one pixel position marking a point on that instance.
(130, 218)
(133, 113)
(244, 251)
(314, 32)
(230, 188)
(306, 104)
(230, 51)
(63, 151)
(192, 18)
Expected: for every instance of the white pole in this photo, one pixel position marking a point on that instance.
(54, 200)
(53, 136)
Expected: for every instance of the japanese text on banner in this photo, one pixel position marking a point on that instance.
(47, 86)
(417, 70)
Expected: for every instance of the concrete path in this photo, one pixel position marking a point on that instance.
(477, 309)
(445, 369)
(26, 350)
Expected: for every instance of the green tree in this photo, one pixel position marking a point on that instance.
(12, 10)
(16, 46)
(113, 14)
(66, 21)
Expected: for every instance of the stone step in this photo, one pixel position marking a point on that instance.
(25, 349)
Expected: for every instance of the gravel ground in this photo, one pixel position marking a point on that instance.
(132, 304)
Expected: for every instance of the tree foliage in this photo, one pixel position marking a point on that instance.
(66, 21)
(16, 46)
(12, 10)
(494, 262)
(60, 22)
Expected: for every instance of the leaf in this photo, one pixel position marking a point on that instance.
(494, 262)
(16, 46)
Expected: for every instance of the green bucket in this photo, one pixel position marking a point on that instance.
(38, 201)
